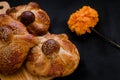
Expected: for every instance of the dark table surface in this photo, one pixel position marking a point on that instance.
(99, 59)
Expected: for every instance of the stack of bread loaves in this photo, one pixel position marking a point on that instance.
(28, 51)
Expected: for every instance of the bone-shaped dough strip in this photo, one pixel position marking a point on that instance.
(3, 7)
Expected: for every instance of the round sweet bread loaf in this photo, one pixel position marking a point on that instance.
(15, 43)
(54, 56)
(32, 16)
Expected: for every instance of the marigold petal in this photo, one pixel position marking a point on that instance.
(82, 20)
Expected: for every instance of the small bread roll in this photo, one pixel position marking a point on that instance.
(54, 56)
(4, 6)
(15, 43)
(36, 19)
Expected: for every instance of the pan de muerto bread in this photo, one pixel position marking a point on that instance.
(32, 16)
(15, 43)
(54, 56)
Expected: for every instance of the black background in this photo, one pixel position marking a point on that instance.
(99, 59)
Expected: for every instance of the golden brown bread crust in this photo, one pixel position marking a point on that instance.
(60, 63)
(15, 42)
(40, 25)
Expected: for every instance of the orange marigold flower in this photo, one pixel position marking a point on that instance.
(81, 21)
